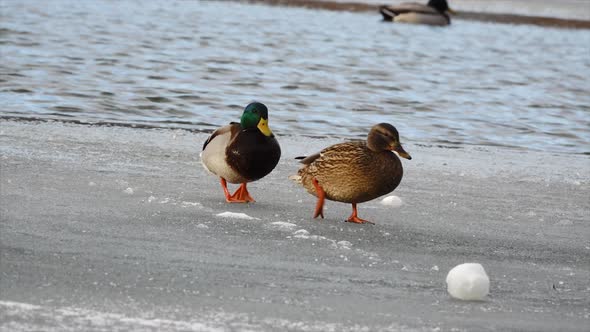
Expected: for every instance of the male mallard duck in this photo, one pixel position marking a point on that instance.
(242, 152)
(354, 172)
(436, 12)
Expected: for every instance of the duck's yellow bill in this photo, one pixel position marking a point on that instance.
(450, 11)
(401, 152)
(263, 127)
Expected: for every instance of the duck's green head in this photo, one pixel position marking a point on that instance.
(256, 116)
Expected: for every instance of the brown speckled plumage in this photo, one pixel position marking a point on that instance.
(352, 173)
(355, 172)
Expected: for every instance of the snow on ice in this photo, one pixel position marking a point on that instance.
(235, 215)
(283, 225)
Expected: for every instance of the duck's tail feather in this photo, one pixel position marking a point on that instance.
(295, 178)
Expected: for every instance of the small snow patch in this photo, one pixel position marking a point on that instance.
(202, 226)
(344, 245)
(91, 184)
(187, 204)
(128, 191)
(151, 199)
(19, 305)
(468, 282)
(434, 268)
(235, 215)
(564, 222)
(283, 225)
(392, 201)
(301, 234)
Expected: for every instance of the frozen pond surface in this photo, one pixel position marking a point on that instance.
(120, 229)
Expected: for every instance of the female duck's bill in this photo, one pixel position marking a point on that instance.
(354, 172)
(436, 12)
(242, 152)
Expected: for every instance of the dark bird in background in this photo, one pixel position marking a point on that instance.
(436, 12)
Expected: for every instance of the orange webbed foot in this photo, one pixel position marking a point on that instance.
(240, 196)
(354, 217)
(359, 220)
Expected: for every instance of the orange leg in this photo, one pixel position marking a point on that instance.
(319, 207)
(225, 190)
(354, 217)
(240, 196)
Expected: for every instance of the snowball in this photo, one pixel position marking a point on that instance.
(235, 215)
(392, 201)
(129, 191)
(468, 281)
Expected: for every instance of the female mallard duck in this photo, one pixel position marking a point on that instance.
(242, 152)
(436, 12)
(354, 172)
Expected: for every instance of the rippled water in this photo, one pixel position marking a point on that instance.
(197, 64)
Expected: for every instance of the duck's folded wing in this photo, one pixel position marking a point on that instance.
(233, 127)
(334, 152)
